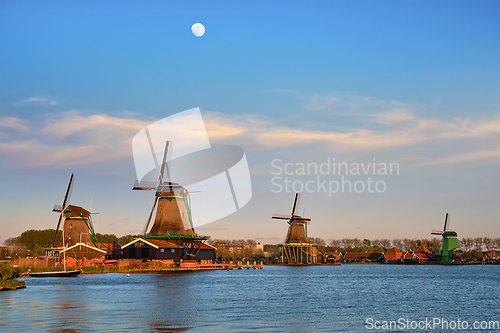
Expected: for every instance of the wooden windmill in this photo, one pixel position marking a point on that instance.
(173, 222)
(78, 236)
(296, 248)
(450, 241)
(297, 224)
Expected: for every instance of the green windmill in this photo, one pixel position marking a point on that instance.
(450, 242)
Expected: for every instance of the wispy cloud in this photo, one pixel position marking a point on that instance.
(472, 157)
(373, 125)
(72, 138)
(14, 123)
(38, 100)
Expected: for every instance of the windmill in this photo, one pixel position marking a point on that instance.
(173, 215)
(173, 221)
(296, 248)
(450, 241)
(297, 229)
(77, 225)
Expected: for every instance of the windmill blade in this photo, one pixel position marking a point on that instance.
(163, 164)
(150, 216)
(67, 198)
(445, 222)
(449, 222)
(294, 207)
(436, 232)
(144, 186)
(69, 191)
(57, 229)
(280, 217)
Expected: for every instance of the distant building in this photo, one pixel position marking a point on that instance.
(410, 258)
(491, 255)
(333, 257)
(424, 254)
(394, 255)
(113, 250)
(364, 257)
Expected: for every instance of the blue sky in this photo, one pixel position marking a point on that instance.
(413, 82)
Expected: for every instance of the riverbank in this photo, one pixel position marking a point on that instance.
(11, 284)
(8, 279)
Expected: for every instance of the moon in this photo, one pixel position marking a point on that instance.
(198, 29)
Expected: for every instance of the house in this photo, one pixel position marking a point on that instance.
(313, 251)
(82, 250)
(159, 249)
(394, 255)
(492, 255)
(364, 257)
(424, 254)
(410, 258)
(333, 257)
(113, 251)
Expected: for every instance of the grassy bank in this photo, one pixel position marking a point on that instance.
(8, 281)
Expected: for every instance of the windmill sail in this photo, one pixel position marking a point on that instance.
(67, 198)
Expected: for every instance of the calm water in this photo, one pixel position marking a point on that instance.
(275, 299)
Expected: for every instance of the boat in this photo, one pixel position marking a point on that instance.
(56, 274)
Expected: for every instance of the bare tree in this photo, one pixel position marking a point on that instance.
(385, 244)
(487, 243)
(347, 243)
(357, 243)
(398, 244)
(478, 243)
(407, 244)
(466, 244)
(317, 241)
(337, 243)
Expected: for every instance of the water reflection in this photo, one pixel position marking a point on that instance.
(173, 299)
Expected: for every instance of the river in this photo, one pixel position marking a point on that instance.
(346, 298)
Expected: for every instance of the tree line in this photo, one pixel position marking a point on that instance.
(405, 244)
(35, 241)
(228, 249)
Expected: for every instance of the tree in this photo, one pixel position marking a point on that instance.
(407, 245)
(398, 244)
(35, 240)
(13, 241)
(356, 242)
(466, 244)
(487, 242)
(478, 243)
(125, 239)
(385, 244)
(106, 238)
(336, 244)
(367, 245)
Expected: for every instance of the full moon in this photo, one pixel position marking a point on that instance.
(198, 29)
